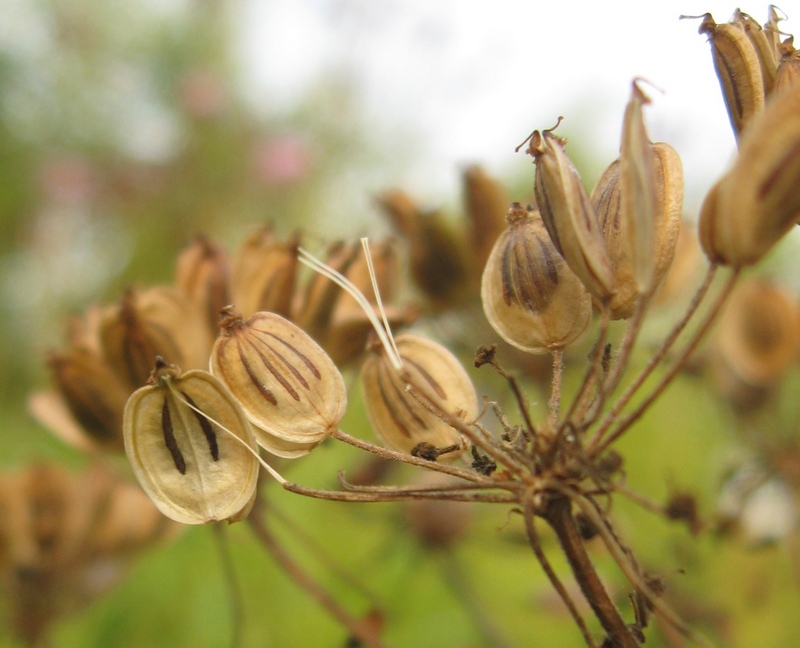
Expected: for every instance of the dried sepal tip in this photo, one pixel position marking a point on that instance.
(191, 447)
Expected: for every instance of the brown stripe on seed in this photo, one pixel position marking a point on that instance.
(779, 169)
(428, 378)
(276, 374)
(205, 425)
(396, 396)
(169, 439)
(303, 358)
(262, 388)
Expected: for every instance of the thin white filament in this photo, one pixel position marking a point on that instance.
(375, 289)
(339, 279)
(266, 466)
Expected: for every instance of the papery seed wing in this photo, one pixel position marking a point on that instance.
(193, 470)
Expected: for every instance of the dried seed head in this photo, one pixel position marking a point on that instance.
(486, 202)
(764, 45)
(788, 68)
(638, 201)
(568, 214)
(264, 273)
(403, 419)
(65, 539)
(756, 202)
(287, 385)
(758, 335)
(345, 339)
(191, 447)
(93, 393)
(530, 296)
(437, 253)
(315, 311)
(202, 274)
(158, 321)
(738, 70)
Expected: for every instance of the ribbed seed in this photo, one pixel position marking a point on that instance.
(401, 419)
(530, 296)
(93, 394)
(264, 273)
(288, 386)
(738, 70)
(158, 321)
(202, 274)
(568, 214)
(756, 202)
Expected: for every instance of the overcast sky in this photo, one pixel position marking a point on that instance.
(476, 77)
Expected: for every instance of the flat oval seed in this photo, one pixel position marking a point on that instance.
(194, 471)
(398, 417)
(288, 386)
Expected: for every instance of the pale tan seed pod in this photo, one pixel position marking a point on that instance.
(568, 214)
(749, 209)
(203, 275)
(764, 46)
(191, 447)
(287, 385)
(93, 394)
(403, 420)
(530, 296)
(158, 321)
(486, 203)
(345, 338)
(438, 254)
(313, 310)
(758, 334)
(738, 70)
(264, 274)
(788, 68)
(653, 260)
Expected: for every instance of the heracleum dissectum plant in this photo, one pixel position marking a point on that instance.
(608, 250)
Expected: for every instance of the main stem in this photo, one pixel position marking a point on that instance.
(559, 516)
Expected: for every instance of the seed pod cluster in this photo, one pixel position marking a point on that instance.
(157, 321)
(447, 257)
(568, 214)
(202, 274)
(749, 209)
(66, 538)
(402, 418)
(92, 392)
(191, 447)
(738, 70)
(638, 200)
(747, 58)
(264, 274)
(530, 295)
(754, 343)
(287, 385)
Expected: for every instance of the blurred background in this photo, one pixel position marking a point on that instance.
(128, 127)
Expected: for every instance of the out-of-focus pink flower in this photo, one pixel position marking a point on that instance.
(281, 160)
